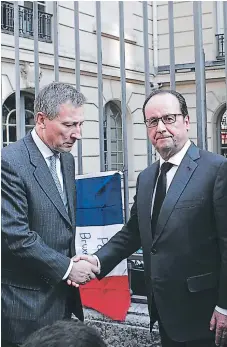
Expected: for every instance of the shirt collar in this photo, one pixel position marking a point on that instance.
(177, 158)
(43, 148)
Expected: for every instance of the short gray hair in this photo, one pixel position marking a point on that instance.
(51, 97)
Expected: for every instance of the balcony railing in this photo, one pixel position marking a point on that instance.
(25, 22)
(220, 46)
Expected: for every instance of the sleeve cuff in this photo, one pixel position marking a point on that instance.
(221, 310)
(98, 262)
(68, 271)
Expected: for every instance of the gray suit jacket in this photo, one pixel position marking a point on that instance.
(37, 241)
(186, 262)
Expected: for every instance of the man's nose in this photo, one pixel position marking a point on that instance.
(76, 134)
(161, 126)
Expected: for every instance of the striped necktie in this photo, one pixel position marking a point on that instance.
(54, 174)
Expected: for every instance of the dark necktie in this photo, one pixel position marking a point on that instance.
(159, 195)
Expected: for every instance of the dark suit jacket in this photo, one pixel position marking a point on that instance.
(186, 263)
(37, 235)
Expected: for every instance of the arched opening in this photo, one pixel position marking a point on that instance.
(113, 139)
(9, 126)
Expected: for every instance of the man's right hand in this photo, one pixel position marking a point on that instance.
(88, 258)
(82, 272)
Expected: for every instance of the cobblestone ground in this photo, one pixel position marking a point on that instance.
(134, 332)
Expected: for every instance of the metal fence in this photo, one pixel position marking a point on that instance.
(22, 21)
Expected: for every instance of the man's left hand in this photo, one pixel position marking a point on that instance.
(219, 323)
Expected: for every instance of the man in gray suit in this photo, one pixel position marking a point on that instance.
(179, 219)
(38, 218)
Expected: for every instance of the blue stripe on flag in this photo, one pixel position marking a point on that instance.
(99, 201)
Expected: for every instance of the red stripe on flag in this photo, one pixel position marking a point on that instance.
(110, 296)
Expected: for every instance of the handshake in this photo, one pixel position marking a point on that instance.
(83, 270)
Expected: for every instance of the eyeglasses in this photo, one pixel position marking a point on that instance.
(166, 119)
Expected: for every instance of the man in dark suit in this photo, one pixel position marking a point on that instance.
(38, 218)
(179, 219)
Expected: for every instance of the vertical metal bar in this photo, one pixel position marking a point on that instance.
(36, 46)
(199, 75)
(56, 59)
(17, 70)
(77, 70)
(100, 84)
(155, 37)
(146, 70)
(108, 137)
(171, 46)
(225, 41)
(205, 101)
(22, 119)
(123, 107)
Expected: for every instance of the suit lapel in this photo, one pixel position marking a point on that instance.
(43, 176)
(180, 181)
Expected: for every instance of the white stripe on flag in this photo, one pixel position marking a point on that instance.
(89, 239)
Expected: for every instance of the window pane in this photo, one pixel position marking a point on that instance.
(12, 133)
(113, 134)
(4, 133)
(113, 146)
(12, 118)
(119, 133)
(28, 4)
(120, 158)
(119, 144)
(29, 118)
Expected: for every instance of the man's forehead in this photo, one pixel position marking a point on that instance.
(163, 100)
(68, 105)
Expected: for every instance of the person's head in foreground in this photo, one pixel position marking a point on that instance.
(69, 333)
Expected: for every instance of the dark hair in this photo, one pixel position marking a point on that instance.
(180, 98)
(68, 333)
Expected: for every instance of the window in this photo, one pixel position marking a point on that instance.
(26, 20)
(9, 116)
(41, 5)
(220, 17)
(223, 133)
(220, 30)
(113, 144)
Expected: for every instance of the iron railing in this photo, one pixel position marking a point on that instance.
(25, 22)
(220, 46)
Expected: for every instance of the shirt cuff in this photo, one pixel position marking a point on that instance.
(98, 262)
(68, 271)
(221, 310)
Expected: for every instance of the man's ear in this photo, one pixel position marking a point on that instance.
(41, 120)
(187, 122)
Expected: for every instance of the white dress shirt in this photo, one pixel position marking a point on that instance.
(176, 160)
(46, 153)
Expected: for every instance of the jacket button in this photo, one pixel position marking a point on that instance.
(153, 251)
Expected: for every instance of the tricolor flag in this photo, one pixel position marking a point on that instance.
(99, 216)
